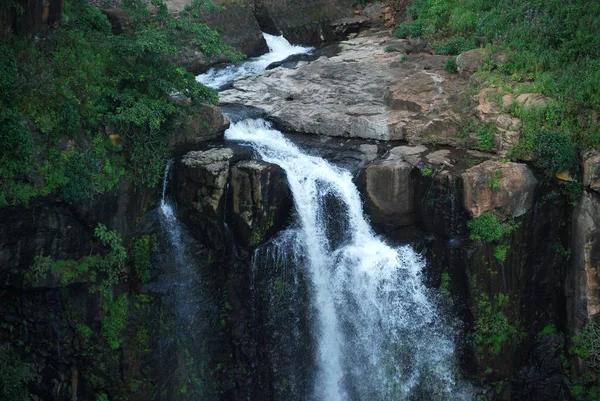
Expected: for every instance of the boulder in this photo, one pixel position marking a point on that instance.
(591, 170)
(260, 201)
(388, 189)
(202, 179)
(582, 286)
(190, 130)
(469, 62)
(532, 100)
(504, 188)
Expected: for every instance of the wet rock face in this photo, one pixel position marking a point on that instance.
(44, 229)
(591, 170)
(583, 279)
(202, 178)
(260, 201)
(214, 188)
(505, 188)
(389, 191)
(304, 22)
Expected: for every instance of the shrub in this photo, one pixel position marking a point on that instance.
(554, 153)
(453, 46)
(450, 65)
(412, 30)
(485, 228)
(492, 328)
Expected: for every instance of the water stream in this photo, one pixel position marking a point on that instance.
(380, 335)
(279, 49)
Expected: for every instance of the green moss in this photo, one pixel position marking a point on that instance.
(445, 284)
(494, 182)
(547, 331)
(426, 172)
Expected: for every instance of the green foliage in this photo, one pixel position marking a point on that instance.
(586, 345)
(389, 49)
(494, 182)
(450, 65)
(114, 320)
(445, 284)
(104, 271)
(500, 252)
(485, 228)
(143, 249)
(14, 375)
(492, 328)
(547, 331)
(554, 153)
(81, 79)
(550, 47)
(426, 172)
(412, 30)
(453, 46)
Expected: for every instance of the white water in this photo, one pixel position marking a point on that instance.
(380, 335)
(279, 49)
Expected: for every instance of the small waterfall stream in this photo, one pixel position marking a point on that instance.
(279, 49)
(379, 334)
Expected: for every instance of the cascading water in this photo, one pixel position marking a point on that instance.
(379, 334)
(181, 278)
(279, 49)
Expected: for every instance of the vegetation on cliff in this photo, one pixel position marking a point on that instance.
(549, 47)
(81, 107)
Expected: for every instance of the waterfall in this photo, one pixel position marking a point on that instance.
(180, 278)
(380, 335)
(279, 49)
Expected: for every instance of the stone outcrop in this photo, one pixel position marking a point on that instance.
(260, 201)
(215, 187)
(591, 170)
(363, 92)
(192, 130)
(304, 22)
(389, 192)
(583, 278)
(202, 178)
(504, 188)
(469, 62)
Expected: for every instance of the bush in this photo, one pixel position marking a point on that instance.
(450, 65)
(554, 153)
(453, 46)
(485, 228)
(17, 145)
(412, 30)
(492, 328)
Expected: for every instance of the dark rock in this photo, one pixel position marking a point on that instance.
(260, 201)
(582, 287)
(192, 130)
(469, 62)
(389, 192)
(304, 22)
